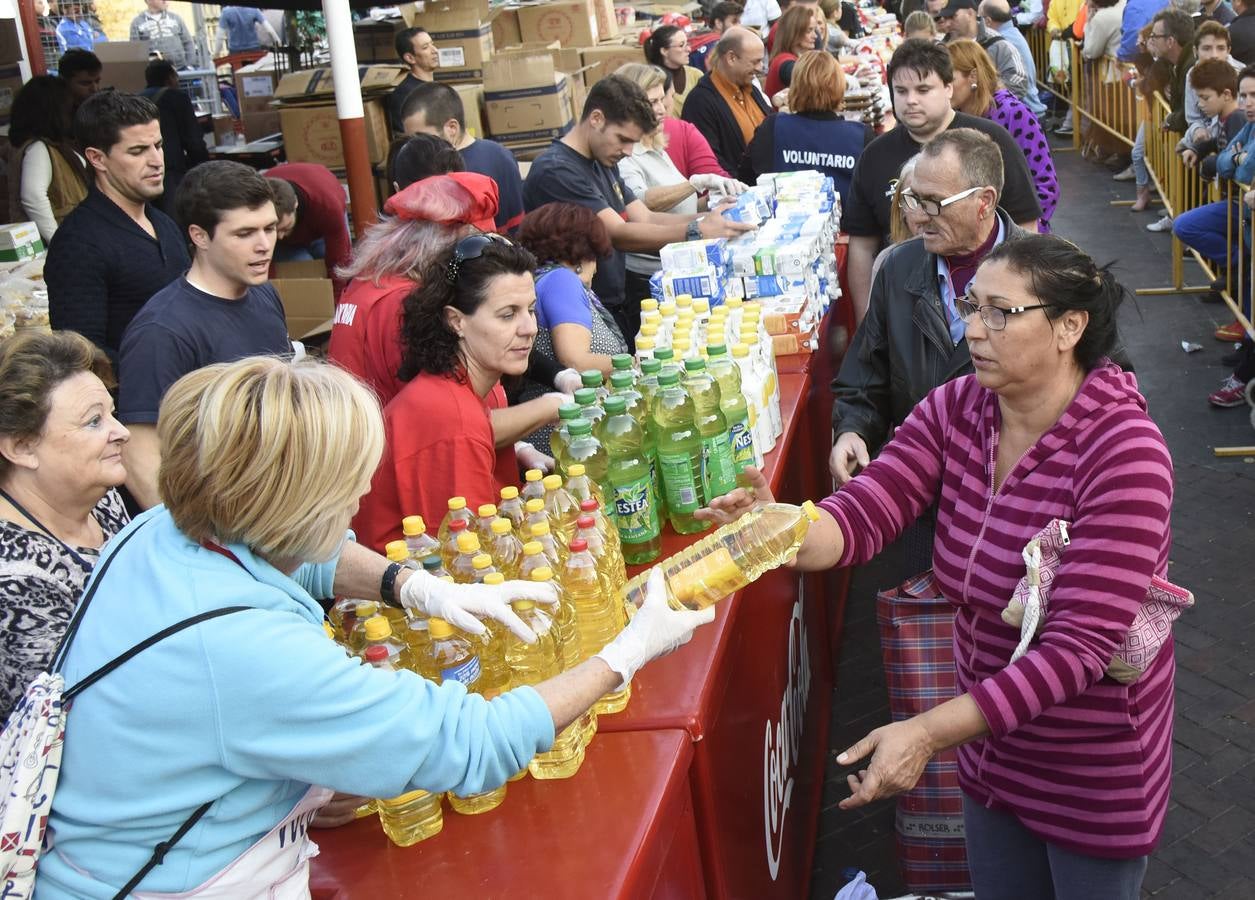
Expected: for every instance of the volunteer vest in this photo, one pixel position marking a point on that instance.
(66, 190)
(830, 145)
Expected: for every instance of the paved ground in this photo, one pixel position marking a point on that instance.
(1208, 847)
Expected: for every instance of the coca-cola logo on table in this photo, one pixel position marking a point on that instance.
(783, 739)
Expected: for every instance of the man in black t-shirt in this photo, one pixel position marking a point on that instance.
(920, 74)
(417, 52)
(581, 168)
(220, 311)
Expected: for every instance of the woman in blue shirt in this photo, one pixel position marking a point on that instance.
(250, 713)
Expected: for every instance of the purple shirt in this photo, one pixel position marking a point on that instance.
(1082, 761)
(1010, 112)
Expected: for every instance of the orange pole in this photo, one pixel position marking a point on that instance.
(30, 31)
(361, 182)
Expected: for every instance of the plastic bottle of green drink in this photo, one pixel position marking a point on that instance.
(623, 384)
(635, 504)
(647, 385)
(718, 469)
(587, 449)
(679, 453)
(622, 362)
(592, 378)
(558, 438)
(719, 364)
(586, 399)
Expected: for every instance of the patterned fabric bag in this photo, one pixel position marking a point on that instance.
(1028, 607)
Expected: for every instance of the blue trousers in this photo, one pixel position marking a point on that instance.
(1008, 862)
(1139, 157)
(1205, 228)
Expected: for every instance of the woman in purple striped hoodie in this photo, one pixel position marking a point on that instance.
(1065, 772)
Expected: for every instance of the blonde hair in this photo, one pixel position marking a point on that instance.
(269, 454)
(919, 20)
(971, 61)
(647, 76)
(899, 230)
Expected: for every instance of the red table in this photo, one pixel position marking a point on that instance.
(752, 690)
(621, 828)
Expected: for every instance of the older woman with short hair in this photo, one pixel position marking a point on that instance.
(978, 92)
(60, 465)
(228, 727)
(1065, 771)
(813, 135)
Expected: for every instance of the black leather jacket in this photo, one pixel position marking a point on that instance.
(902, 350)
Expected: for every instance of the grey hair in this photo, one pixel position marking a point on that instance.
(980, 159)
(399, 246)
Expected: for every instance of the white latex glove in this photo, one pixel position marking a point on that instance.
(568, 381)
(531, 458)
(654, 631)
(717, 184)
(463, 605)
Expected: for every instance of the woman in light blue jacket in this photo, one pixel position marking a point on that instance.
(256, 714)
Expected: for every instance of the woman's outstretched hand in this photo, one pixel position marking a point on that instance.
(899, 753)
(737, 502)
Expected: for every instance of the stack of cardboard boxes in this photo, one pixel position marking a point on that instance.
(307, 114)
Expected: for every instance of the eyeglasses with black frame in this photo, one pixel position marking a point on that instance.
(931, 207)
(471, 247)
(994, 317)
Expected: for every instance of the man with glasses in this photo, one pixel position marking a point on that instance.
(1171, 40)
(920, 76)
(912, 339)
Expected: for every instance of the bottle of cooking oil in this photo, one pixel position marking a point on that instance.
(531, 664)
(580, 486)
(511, 506)
(420, 543)
(377, 632)
(543, 535)
(484, 514)
(343, 617)
(598, 613)
(559, 438)
(608, 568)
(534, 513)
(462, 566)
(609, 532)
(412, 817)
(355, 616)
(560, 506)
(587, 450)
(679, 453)
(732, 557)
(533, 489)
(457, 512)
(482, 567)
(506, 549)
(566, 636)
(449, 545)
(434, 566)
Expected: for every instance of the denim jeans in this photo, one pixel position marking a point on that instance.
(1139, 157)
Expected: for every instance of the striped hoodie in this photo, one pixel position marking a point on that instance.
(1082, 761)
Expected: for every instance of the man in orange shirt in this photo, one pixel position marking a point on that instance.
(726, 105)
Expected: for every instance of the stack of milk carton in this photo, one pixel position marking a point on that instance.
(787, 263)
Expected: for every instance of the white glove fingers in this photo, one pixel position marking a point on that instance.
(506, 617)
(462, 620)
(529, 590)
(655, 589)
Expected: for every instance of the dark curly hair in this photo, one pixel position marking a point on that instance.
(429, 344)
(565, 233)
(1066, 278)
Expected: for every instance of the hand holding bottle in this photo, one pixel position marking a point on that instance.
(654, 631)
(736, 503)
(464, 605)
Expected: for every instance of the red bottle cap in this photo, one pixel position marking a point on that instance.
(376, 654)
(585, 522)
(588, 505)
(579, 545)
(457, 524)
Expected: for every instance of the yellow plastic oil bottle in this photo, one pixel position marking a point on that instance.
(449, 545)
(377, 632)
(609, 570)
(511, 506)
(355, 623)
(554, 552)
(731, 557)
(457, 513)
(506, 549)
(561, 508)
(597, 613)
(483, 522)
(566, 634)
(461, 566)
(420, 544)
(533, 489)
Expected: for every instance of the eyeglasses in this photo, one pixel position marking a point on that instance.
(470, 247)
(994, 317)
(931, 207)
(1155, 37)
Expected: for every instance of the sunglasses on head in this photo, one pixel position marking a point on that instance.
(470, 247)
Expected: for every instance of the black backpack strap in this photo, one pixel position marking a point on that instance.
(145, 644)
(159, 852)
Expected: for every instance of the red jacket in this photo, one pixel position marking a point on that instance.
(321, 215)
(689, 150)
(366, 332)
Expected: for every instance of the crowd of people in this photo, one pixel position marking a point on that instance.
(170, 428)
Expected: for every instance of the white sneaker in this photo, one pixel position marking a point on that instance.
(1164, 224)
(1126, 175)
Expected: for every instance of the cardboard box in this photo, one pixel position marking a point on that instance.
(505, 27)
(316, 84)
(462, 33)
(312, 133)
(472, 108)
(376, 41)
(300, 268)
(527, 99)
(572, 23)
(607, 21)
(308, 305)
(256, 91)
(605, 59)
(261, 124)
(123, 64)
(10, 46)
(20, 241)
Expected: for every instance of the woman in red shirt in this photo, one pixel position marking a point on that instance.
(471, 322)
(797, 32)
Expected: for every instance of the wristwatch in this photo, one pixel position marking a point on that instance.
(694, 231)
(387, 584)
